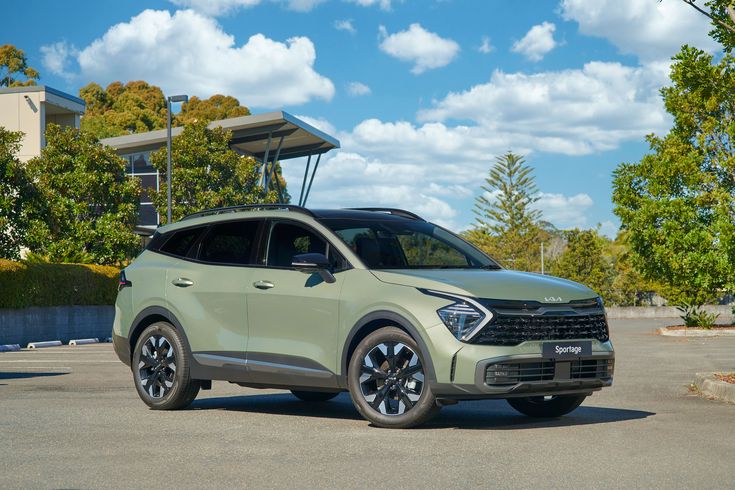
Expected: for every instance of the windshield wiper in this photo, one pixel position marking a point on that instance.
(491, 267)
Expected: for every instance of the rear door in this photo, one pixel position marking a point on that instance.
(207, 291)
(293, 316)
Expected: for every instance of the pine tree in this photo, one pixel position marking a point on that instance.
(508, 193)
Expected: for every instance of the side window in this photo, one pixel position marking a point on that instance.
(229, 243)
(287, 240)
(180, 242)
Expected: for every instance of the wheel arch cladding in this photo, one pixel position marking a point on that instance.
(148, 317)
(374, 321)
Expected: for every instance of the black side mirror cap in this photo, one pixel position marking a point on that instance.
(311, 263)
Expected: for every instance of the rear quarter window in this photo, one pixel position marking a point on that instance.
(180, 243)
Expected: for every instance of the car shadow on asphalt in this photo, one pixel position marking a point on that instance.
(484, 414)
(5, 375)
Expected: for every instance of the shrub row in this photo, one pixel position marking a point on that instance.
(24, 284)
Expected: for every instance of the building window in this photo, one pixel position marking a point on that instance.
(138, 165)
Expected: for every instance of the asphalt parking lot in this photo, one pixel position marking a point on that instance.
(70, 418)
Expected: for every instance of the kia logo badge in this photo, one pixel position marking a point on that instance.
(553, 299)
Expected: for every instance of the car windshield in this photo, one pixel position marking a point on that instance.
(387, 244)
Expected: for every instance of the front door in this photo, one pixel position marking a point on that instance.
(293, 316)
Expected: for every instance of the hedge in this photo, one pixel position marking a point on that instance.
(24, 284)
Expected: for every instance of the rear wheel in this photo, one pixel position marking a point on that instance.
(161, 369)
(546, 406)
(387, 380)
(314, 396)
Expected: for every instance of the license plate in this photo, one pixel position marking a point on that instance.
(566, 350)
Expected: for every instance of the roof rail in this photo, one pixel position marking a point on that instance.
(248, 207)
(396, 212)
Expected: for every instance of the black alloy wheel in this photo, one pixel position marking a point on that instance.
(160, 367)
(387, 380)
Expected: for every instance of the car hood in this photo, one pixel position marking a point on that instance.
(492, 284)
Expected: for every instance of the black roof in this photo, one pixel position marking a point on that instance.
(387, 214)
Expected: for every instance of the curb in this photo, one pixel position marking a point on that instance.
(695, 333)
(48, 343)
(83, 342)
(9, 348)
(712, 387)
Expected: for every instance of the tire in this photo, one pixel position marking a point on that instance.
(387, 385)
(161, 369)
(314, 396)
(550, 406)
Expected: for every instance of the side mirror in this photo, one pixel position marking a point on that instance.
(311, 263)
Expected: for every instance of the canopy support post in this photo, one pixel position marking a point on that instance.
(265, 163)
(311, 181)
(303, 184)
(272, 172)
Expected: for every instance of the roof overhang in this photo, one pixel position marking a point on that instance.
(251, 135)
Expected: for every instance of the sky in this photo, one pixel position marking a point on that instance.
(423, 95)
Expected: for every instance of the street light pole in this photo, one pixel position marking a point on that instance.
(173, 98)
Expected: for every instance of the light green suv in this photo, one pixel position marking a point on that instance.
(403, 314)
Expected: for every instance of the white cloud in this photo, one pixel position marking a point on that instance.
(319, 123)
(224, 7)
(564, 211)
(609, 229)
(357, 89)
(537, 42)
(577, 111)
(426, 50)
(215, 7)
(384, 4)
(348, 179)
(303, 5)
(486, 47)
(160, 48)
(56, 57)
(648, 29)
(345, 25)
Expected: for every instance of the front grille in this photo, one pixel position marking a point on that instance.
(510, 373)
(514, 329)
(592, 368)
(517, 372)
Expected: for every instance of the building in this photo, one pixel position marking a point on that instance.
(268, 137)
(30, 109)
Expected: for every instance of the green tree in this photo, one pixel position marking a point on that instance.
(135, 107)
(16, 192)
(206, 173)
(629, 285)
(584, 261)
(13, 62)
(678, 202)
(507, 224)
(214, 108)
(88, 207)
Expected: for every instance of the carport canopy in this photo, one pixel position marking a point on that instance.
(267, 137)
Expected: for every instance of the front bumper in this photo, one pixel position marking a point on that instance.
(532, 375)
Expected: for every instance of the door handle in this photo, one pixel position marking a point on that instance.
(182, 282)
(264, 284)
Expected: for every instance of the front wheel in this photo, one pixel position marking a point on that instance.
(387, 380)
(161, 369)
(546, 406)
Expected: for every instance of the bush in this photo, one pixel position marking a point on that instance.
(25, 284)
(695, 316)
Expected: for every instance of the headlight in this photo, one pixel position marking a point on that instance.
(464, 318)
